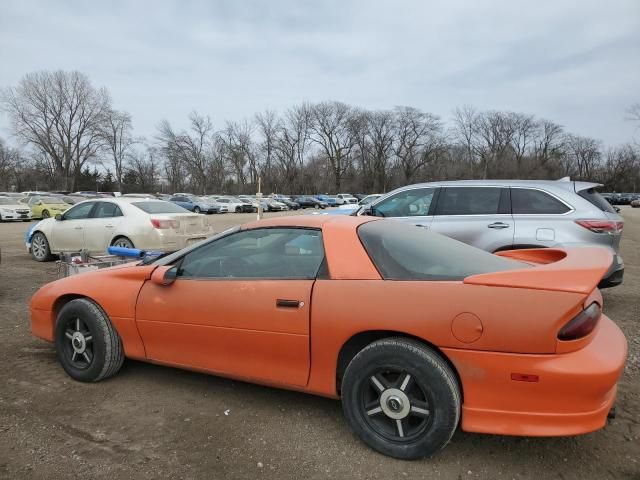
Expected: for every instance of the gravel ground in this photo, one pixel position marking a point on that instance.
(158, 422)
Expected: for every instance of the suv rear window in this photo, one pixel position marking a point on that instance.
(406, 252)
(159, 207)
(596, 199)
(529, 201)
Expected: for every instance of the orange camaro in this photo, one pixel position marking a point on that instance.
(415, 332)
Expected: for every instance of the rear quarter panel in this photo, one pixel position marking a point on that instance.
(513, 319)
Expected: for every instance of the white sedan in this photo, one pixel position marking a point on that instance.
(11, 209)
(96, 224)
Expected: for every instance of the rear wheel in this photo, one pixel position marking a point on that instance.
(45, 214)
(88, 347)
(238, 209)
(401, 398)
(122, 242)
(40, 250)
(197, 210)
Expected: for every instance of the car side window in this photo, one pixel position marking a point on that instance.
(106, 210)
(528, 201)
(79, 212)
(269, 253)
(470, 201)
(415, 202)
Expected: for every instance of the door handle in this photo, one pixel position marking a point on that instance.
(77, 228)
(498, 225)
(108, 226)
(422, 226)
(281, 302)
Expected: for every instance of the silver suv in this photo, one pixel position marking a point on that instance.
(509, 214)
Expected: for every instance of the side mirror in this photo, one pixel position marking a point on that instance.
(39, 202)
(366, 210)
(164, 275)
(58, 217)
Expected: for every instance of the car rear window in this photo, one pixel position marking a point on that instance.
(593, 197)
(159, 207)
(407, 252)
(529, 201)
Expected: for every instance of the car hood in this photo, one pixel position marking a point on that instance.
(15, 206)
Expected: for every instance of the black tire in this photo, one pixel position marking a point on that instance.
(196, 210)
(45, 214)
(40, 250)
(82, 326)
(317, 206)
(238, 209)
(122, 242)
(428, 402)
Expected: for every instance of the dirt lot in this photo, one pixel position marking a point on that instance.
(158, 422)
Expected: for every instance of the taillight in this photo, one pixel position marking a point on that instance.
(583, 323)
(164, 224)
(601, 226)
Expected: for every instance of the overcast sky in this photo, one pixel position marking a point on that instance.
(573, 62)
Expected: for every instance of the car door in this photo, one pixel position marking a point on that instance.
(239, 306)
(67, 234)
(413, 205)
(101, 226)
(476, 215)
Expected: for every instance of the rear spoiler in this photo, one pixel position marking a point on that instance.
(577, 270)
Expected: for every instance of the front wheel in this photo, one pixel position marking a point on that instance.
(196, 210)
(45, 214)
(401, 398)
(88, 347)
(40, 250)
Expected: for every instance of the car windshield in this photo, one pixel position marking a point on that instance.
(201, 199)
(369, 199)
(234, 200)
(52, 200)
(159, 206)
(408, 252)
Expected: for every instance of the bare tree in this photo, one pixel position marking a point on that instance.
(10, 161)
(60, 114)
(582, 156)
(144, 165)
(190, 147)
(267, 125)
(525, 129)
(419, 137)
(331, 128)
(117, 134)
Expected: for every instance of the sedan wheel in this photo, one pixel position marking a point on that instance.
(196, 210)
(123, 242)
(317, 206)
(88, 347)
(40, 250)
(401, 398)
(45, 214)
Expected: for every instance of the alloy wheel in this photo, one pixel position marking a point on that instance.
(79, 345)
(394, 405)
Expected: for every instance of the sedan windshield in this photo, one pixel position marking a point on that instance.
(159, 206)
(52, 200)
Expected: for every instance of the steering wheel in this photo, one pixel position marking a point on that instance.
(234, 267)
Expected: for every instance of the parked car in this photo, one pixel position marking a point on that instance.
(497, 215)
(310, 202)
(45, 206)
(253, 200)
(275, 205)
(331, 201)
(365, 201)
(292, 205)
(195, 204)
(236, 205)
(635, 203)
(221, 207)
(94, 225)
(11, 209)
(346, 199)
(416, 333)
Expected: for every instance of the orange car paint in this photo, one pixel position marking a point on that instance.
(234, 328)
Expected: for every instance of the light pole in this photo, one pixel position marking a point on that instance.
(259, 198)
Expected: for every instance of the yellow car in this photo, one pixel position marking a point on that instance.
(45, 207)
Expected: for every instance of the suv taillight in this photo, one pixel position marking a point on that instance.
(582, 324)
(601, 226)
(164, 224)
